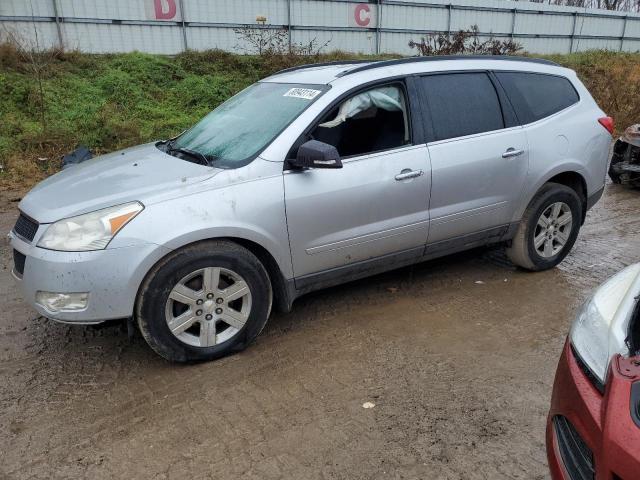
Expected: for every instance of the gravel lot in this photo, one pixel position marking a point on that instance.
(457, 355)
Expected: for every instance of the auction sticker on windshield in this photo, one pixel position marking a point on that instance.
(306, 93)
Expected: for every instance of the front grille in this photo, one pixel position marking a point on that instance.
(576, 455)
(25, 227)
(18, 262)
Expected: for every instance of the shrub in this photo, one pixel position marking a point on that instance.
(464, 42)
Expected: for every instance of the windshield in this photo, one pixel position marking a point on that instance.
(241, 127)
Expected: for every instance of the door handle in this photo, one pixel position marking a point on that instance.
(512, 152)
(406, 174)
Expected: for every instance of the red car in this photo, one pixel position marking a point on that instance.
(593, 428)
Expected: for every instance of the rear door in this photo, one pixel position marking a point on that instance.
(377, 204)
(479, 156)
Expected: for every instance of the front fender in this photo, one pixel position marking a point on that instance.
(252, 210)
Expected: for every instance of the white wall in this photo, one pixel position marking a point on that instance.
(161, 26)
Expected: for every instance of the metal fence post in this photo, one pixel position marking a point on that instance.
(289, 23)
(573, 31)
(449, 10)
(624, 32)
(184, 27)
(513, 23)
(58, 26)
(378, 25)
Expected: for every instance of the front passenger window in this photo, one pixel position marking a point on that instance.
(367, 122)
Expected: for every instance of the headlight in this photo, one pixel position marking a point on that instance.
(593, 335)
(590, 338)
(91, 231)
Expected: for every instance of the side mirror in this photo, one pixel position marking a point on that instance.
(315, 154)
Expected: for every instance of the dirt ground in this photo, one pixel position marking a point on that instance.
(457, 355)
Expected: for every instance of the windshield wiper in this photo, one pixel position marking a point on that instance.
(201, 157)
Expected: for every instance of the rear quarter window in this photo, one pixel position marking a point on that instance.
(536, 95)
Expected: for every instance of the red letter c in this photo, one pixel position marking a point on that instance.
(362, 14)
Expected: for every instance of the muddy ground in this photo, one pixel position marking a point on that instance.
(457, 355)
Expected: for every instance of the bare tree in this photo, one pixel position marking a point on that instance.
(36, 60)
(274, 41)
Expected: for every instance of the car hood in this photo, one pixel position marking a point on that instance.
(136, 173)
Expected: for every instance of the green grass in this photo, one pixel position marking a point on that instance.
(109, 102)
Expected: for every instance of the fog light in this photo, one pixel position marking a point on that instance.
(62, 302)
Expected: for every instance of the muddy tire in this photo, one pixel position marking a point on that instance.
(548, 229)
(204, 301)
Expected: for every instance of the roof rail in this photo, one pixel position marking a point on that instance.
(435, 58)
(324, 64)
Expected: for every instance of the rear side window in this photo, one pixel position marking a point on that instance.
(536, 95)
(461, 104)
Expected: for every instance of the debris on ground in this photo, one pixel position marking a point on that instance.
(79, 155)
(625, 161)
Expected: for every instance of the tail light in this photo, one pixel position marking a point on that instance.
(607, 122)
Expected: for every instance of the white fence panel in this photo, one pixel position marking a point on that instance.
(545, 45)
(376, 26)
(358, 42)
(47, 34)
(112, 9)
(414, 18)
(633, 28)
(123, 38)
(234, 11)
(398, 43)
(598, 26)
(631, 46)
(487, 21)
(537, 24)
(24, 8)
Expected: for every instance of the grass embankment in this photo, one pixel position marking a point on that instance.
(107, 102)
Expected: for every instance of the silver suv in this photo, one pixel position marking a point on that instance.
(312, 177)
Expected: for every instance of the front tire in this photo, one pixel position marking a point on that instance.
(548, 229)
(204, 301)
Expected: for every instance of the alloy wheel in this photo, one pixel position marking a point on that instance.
(553, 229)
(208, 307)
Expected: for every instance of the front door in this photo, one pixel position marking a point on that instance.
(377, 204)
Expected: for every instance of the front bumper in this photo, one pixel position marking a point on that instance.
(111, 277)
(604, 423)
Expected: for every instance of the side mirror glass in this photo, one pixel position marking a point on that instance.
(315, 154)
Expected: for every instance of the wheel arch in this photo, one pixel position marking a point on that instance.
(576, 182)
(568, 176)
(283, 293)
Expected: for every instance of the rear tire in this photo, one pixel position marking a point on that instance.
(204, 301)
(548, 229)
